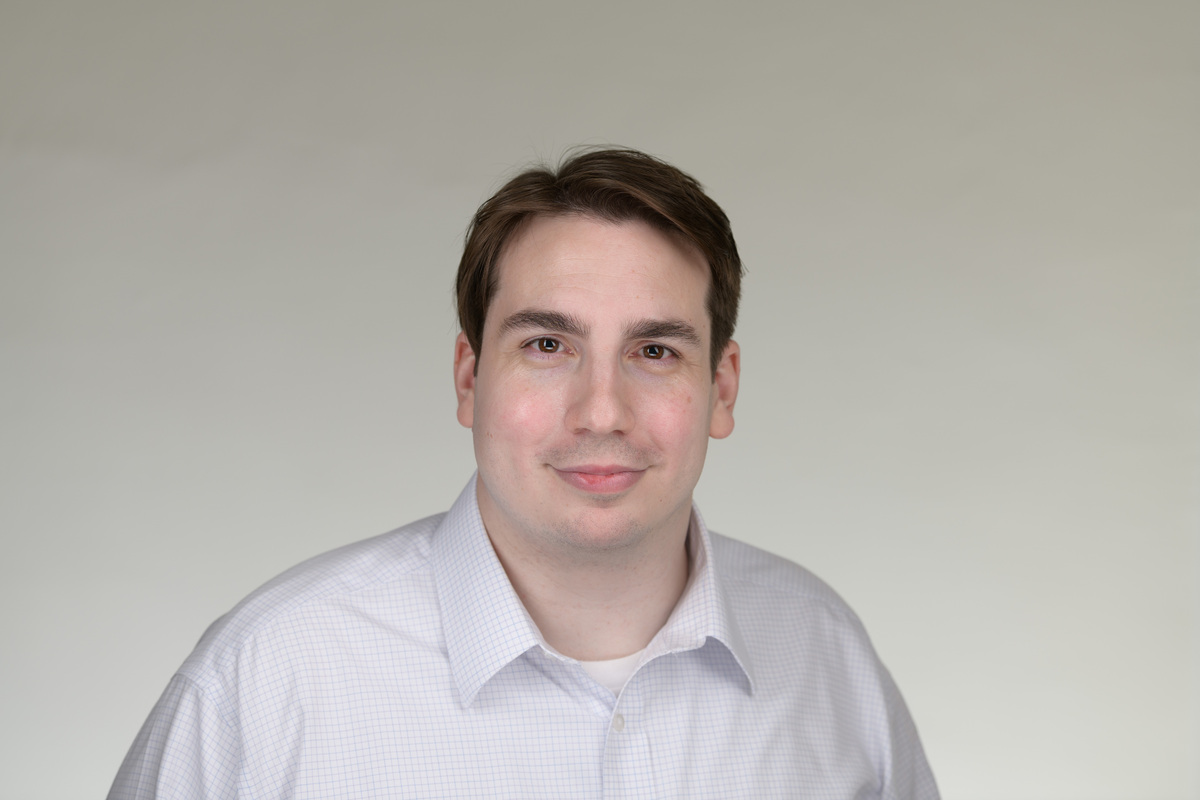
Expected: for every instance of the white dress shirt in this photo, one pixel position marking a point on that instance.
(406, 666)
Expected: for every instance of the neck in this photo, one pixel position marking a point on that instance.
(598, 605)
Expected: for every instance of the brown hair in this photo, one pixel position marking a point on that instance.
(615, 185)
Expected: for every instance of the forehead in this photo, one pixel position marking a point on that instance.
(588, 264)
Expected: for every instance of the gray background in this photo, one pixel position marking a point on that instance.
(970, 396)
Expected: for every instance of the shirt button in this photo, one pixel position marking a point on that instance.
(618, 723)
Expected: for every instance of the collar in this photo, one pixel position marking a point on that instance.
(704, 612)
(486, 626)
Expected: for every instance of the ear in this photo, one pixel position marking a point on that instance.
(725, 389)
(464, 380)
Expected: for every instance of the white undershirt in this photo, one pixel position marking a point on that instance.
(613, 673)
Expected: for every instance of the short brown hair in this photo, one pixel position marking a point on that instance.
(616, 185)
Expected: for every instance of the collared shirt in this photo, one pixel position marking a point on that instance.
(406, 666)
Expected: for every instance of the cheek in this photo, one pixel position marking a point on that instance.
(678, 420)
(520, 416)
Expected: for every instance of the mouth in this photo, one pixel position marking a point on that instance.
(600, 478)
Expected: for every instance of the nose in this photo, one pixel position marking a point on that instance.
(600, 401)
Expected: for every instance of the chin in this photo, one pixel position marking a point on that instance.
(597, 535)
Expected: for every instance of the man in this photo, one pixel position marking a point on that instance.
(569, 628)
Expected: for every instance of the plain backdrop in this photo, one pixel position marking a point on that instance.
(970, 331)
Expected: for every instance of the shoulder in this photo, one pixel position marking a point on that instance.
(755, 577)
(794, 624)
(315, 595)
(813, 659)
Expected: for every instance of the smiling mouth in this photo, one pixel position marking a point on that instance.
(600, 479)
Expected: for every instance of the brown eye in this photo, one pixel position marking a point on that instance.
(548, 345)
(655, 351)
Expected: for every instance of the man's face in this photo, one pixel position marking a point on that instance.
(594, 397)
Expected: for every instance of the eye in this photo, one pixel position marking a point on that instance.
(547, 345)
(654, 351)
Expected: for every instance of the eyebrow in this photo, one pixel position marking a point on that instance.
(546, 320)
(675, 329)
(558, 322)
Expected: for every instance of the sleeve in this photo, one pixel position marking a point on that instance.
(908, 776)
(186, 749)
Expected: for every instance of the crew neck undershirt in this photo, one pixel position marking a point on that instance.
(613, 673)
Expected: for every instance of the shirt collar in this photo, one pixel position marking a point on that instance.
(704, 612)
(486, 626)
